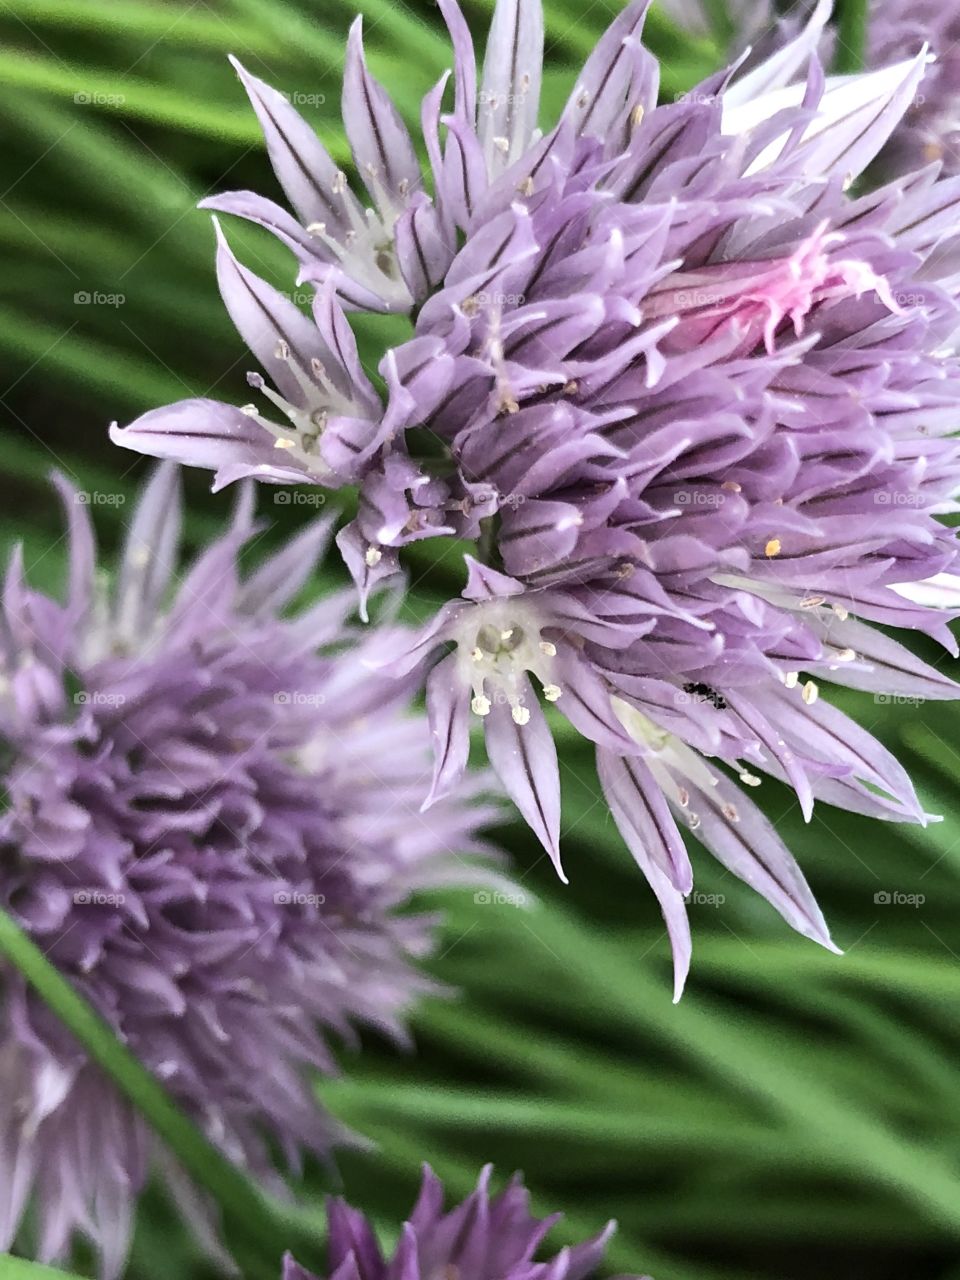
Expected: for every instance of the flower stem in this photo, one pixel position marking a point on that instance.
(852, 19)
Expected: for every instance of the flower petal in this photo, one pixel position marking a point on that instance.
(525, 760)
(382, 150)
(448, 712)
(510, 89)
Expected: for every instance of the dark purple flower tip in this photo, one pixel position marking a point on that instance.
(487, 1237)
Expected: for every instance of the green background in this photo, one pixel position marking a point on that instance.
(797, 1115)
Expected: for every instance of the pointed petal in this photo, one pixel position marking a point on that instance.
(275, 330)
(83, 550)
(448, 714)
(771, 741)
(585, 701)
(149, 552)
(349, 1232)
(292, 1269)
(423, 251)
(381, 146)
(273, 217)
(369, 565)
(510, 90)
(880, 664)
(199, 433)
(465, 64)
(312, 182)
(275, 583)
(783, 66)
(525, 759)
(643, 817)
(619, 77)
(484, 583)
(740, 836)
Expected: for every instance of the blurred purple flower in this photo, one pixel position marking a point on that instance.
(212, 815)
(484, 1238)
(693, 399)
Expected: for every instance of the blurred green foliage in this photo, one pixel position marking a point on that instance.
(796, 1115)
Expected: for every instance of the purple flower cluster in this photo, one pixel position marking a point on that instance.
(484, 1238)
(212, 816)
(691, 395)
